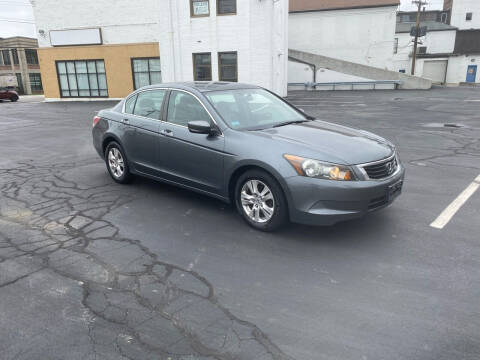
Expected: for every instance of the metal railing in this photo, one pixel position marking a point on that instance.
(314, 85)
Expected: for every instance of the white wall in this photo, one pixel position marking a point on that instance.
(121, 21)
(364, 36)
(460, 9)
(301, 73)
(258, 32)
(437, 42)
(457, 68)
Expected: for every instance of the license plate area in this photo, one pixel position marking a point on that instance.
(394, 190)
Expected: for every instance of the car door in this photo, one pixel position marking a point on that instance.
(3, 93)
(141, 121)
(194, 160)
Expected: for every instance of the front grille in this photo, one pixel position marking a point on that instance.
(382, 169)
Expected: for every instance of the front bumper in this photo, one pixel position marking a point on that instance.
(326, 202)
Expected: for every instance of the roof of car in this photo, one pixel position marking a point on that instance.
(204, 86)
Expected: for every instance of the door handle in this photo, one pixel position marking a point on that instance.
(166, 132)
(125, 121)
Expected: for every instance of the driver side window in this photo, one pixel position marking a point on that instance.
(183, 108)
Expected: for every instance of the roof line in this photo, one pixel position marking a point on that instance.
(344, 8)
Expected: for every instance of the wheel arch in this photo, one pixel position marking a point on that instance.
(254, 165)
(107, 139)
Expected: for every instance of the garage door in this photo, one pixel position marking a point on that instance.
(435, 70)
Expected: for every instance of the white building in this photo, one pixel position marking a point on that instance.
(433, 53)
(465, 14)
(108, 48)
(252, 33)
(449, 53)
(358, 31)
(464, 65)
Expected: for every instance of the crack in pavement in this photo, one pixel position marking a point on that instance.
(137, 306)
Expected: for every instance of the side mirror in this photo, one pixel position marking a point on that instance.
(200, 127)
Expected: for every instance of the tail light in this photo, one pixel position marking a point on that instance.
(96, 119)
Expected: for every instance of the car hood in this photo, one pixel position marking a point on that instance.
(333, 143)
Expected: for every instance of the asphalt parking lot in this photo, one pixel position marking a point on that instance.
(94, 270)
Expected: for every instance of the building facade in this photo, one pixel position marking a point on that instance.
(433, 52)
(19, 65)
(464, 14)
(442, 16)
(357, 31)
(225, 40)
(106, 49)
(449, 53)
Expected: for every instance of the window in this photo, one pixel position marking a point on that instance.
(444, 18)
(395, 46)
(183, 107)
(32, 57)
(35, 81)
(227, 66)
(402, 71)
(226, 7)
(130, 104)
(82, 78)
(469, 16)
(244, 109)
(6, 57)
(422, 50)
(149, 104)
(202, 67)
(15, 56)
(146, 71)
(199, 8)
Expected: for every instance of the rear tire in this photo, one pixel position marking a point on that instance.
(260, 201)
(14, 98)
(117, 164)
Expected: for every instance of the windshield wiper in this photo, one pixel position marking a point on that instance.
(290, 122)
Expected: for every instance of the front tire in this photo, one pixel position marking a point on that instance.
(14, 98)
(117, 164)
(260, 201)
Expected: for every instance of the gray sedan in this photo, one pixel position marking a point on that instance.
(244, 145)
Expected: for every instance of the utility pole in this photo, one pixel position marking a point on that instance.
(419, 3)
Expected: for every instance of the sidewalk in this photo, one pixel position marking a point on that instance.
(31, 98)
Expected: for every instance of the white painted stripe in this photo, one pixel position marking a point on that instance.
(456, 204)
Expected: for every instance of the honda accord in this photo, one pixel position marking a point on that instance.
(247, 146)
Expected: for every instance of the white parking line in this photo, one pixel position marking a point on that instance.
(456, 204)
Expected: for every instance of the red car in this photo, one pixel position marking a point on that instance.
(8, 94)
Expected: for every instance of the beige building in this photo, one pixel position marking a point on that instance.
(19, 63)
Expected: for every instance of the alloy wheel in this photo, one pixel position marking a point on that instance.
(116, 162)
(257, 201)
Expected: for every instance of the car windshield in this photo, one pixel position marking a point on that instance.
(253, 109)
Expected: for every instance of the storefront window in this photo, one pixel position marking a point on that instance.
(146, 71)
(82, 78)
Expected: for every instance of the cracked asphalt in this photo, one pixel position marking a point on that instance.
(90, 269)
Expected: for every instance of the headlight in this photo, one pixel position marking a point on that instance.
(317, 169)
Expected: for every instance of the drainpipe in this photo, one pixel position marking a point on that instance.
(313, 66)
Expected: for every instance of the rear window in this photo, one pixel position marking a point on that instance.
(130, 104)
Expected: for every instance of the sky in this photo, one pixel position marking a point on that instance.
(16, 16)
